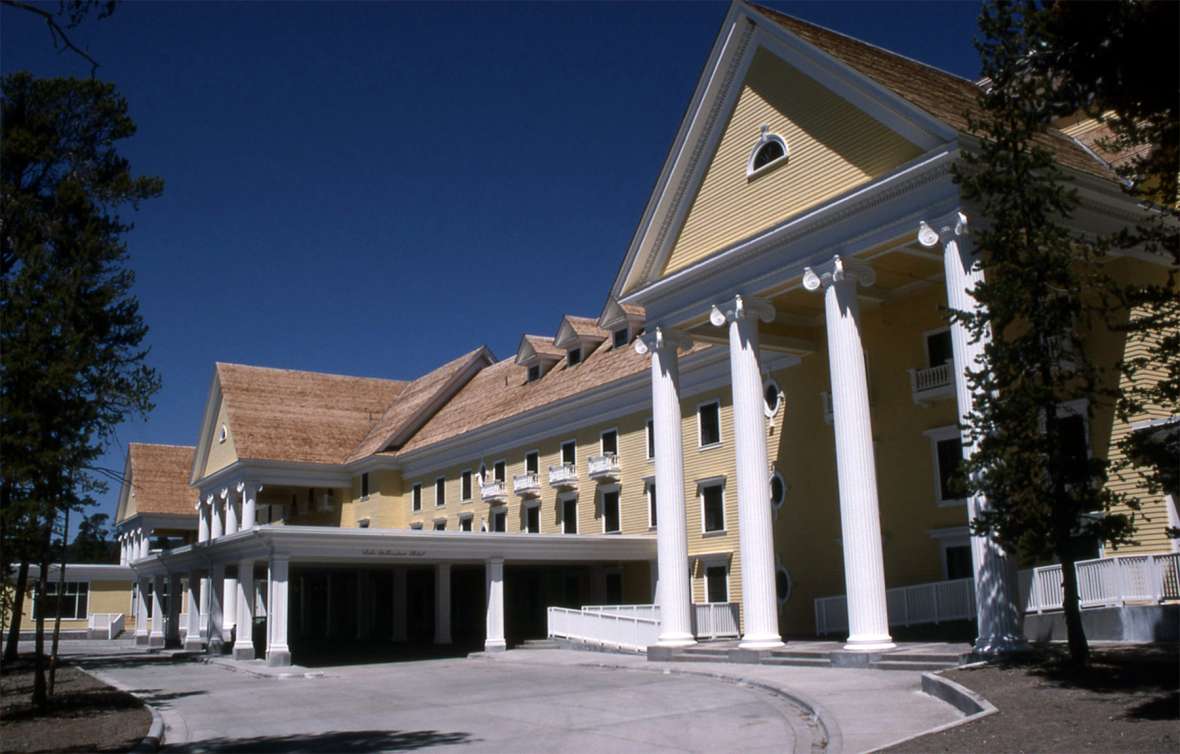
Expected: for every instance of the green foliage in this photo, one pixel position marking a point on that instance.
(93, 544)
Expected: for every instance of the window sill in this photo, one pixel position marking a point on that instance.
(467, 501)
(715, 533)
(616, 531)
(711, 446)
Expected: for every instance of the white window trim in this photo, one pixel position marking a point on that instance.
(601, 449)
(561, 501)
(416, 525)
(626, 338)
(926, 343)
(534, 504)
(648, 440)
(470, 483)
(603, 491)
(649, 484)
(765, 137)
(561, 451)
(581, 357)
(772, 382)
(497, 463)
(715, 561)
(937, 435)
(467, 517)
(416, 498)
(499, 511)
(702, 484)
(365, 481)
(437, 502)
(536, 452)
(951, 536)
(720, 432)
(441, 520)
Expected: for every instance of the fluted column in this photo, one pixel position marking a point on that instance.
(141, 611)
(217, 635)
(860, 517)
(156, 636)
(494, 592)
(442, 603)
(216, 518)
(998, 615)
(277, 652)
(244, 635)
(193, 602)
(231, 511)
(122, 550)
(671, 538)
(229, 603)
(202, 522)
(206, 588)
(755, 532)
(249, 496)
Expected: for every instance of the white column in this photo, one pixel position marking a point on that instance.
(206, 588)
(229, 606)
(671, 539)
(856, 473)
(442, 603)
(156, 637)
(202, 522)
(193, 603)
(249, 492)
(277, 652)
(216, 519)
(996, 593)
(216, 613)
(175, 597)
(399, 604)
(755, 532)
(243, 636)
(494, 591)
(141, 611)
(231, 511)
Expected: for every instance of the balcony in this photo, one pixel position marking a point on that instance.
(493, 491)
(527, 484)
(563, 475)
(932, 383)
(605, 466)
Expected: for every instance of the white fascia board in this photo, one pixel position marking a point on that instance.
(159, 521)
(768, 263)
(208, 419)
(277, 473)
(84, 572)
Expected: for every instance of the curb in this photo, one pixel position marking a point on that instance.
(972, 705)
(155, 735)
(829, 737)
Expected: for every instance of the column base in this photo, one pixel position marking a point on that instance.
(244, 652)
(278, 658)
(869, 643)
(756, 641)
(495, 645)
(676, 640)
(193, 644)
(156, 641)
(141, 640)
(1000, 645)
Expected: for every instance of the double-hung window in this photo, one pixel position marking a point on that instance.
(67, 600)
(465, 486)
(610, 511)
(709, 424)
(569, 453)
(569, 515)
(416, 498)
(712, 506)
(440, 492)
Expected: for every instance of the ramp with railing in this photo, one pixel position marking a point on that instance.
(636, 627)
(104, 625)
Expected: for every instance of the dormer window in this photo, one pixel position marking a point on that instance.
(534, 372)
(620, 337)
(770, 151)
(574, 356)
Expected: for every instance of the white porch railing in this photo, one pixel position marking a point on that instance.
(609, 629)
(563, 475)
(493, 491)
(527, 483)
(1105, 582)
(932, 382)
(605, 466)
(1102, 582)
(716, 620)
(638, 611)
(110, 623)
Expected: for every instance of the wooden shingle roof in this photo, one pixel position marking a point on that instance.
(297, 416)
(944, 96)
(158, 479)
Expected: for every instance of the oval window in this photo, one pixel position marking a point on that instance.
(772, 398)
(768, 153)
(778, 490)
(770, 150)
(782, 585)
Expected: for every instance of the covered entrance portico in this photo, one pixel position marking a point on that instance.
(316, 589)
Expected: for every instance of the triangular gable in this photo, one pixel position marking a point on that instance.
(216, 448)
(747, 35)
(535, 349)
(126, 507)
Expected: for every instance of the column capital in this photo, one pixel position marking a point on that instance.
(741, 307)
(943, 229)
(244, 485)
(838, 270)
(223, 493)
(663, 337)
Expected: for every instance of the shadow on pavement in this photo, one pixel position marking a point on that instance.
(344, 742)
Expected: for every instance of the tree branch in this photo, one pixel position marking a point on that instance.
(61, 40)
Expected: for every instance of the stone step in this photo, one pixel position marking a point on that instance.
(801, 662)
(538, 644)
(911, 665)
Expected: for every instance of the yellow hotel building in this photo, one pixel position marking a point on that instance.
(753, 438)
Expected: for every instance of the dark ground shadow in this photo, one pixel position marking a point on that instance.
(320, 654)
(341, 742)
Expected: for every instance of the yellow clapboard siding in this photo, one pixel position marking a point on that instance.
(220, 454)
(833, 147)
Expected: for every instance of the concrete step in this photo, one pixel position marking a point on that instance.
(538, 644)
(799, 662)
(911, 665)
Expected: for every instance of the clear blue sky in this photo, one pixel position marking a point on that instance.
(374, 188)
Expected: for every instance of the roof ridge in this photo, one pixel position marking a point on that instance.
(764, 9)
(309, 371)
(160, 445)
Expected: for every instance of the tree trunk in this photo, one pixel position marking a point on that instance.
(61, 576)
(22, 586)
(1079, 648)
(40, 698)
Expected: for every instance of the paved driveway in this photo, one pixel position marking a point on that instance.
(473, 705)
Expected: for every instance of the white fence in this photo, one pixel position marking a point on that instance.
(716, 620)
(651, 612)
(110, 623)
(1102, 582)
(610, 629)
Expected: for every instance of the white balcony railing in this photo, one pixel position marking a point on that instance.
(527, 483)
(563, 475)
(932, 383)
(605, 466)
(1102, 582)
(493, 491)
(715, 620)
(631, 632)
